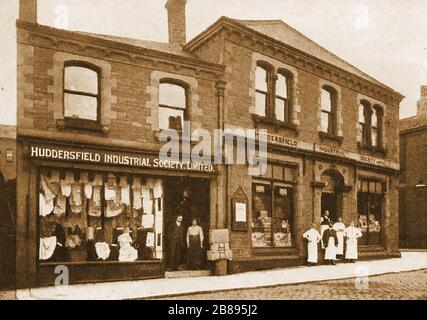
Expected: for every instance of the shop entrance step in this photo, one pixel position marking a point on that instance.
(187, 274)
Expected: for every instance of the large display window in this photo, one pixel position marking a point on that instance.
(273, 209)
(370, 197)
(99, 216)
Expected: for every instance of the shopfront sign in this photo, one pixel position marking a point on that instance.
(69, 154)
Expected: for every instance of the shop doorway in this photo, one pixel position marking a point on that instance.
(190, 198)
(331, 200)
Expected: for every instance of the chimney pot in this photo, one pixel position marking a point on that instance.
(176, 21)
(28, 10)
(422, 103)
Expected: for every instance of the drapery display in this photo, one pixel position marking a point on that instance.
(95, 216)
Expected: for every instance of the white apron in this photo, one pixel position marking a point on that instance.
(339, 227)
(313, 238)
(352, 235)
(330, 253)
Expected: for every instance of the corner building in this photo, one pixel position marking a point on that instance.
(90, 111)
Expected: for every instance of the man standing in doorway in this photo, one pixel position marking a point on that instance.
(324, 223)
(330, 240)
(313, 238)
(176, 243)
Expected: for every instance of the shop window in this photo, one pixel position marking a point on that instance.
(328, 106)
(369, 207)
(262, 90)
(99, 217)
(172, 106)
(81, 91)
(273, 212)
(283, 92)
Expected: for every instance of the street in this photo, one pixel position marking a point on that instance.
(404, 285)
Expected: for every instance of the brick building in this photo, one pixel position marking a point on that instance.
(332, 143)
(8, 152)
(413, 177)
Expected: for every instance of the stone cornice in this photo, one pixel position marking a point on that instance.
(55, 39)
(242, 35)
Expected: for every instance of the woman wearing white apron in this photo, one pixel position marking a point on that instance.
(331, 241)
(313, 237)
(339, 227)
(324, 223)
(352, 234)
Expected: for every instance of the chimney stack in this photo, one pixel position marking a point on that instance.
(176, 21)
(28, 10)
(422, 103)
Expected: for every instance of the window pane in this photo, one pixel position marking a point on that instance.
(281, 86)
(261, 222)
(171, 119)
(282, 216)
(172, 95)
(261, 79)
(374, 118)
(361, 113)
(81, 107)
(280, 109)
(326, 100)
(374, 136)
(81, 79)
(260, 104)
(325, 121)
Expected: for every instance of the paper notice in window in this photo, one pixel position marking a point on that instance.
(240, 212)
(150, 239)
(159, 223)
(147, 205)
(148, 221)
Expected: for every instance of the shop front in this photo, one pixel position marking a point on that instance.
(106, 215)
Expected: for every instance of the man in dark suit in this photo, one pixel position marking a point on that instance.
(176, 243)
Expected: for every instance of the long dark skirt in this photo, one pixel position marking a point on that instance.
(194, 252)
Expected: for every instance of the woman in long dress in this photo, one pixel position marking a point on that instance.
(331, 240)
(194, 245)
(351, 234)
(313, 238)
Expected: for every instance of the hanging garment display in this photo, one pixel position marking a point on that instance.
(147, 205)
(65, 188)
(48, 194)
(60, 205)
(137, 193)
(45, 207)
(76, 202)
(158, 189)
(146, 194)
(113, 209)
(88, 190)
(127, 253)
(98, 181)
(102, 250)
(54, 176)
(47, 248)
(148, 221)
(125, 191)
(84, 178)
(95, 209)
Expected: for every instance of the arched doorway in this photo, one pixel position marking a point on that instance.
(331, 200)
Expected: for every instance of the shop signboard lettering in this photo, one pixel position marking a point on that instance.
(114, 158)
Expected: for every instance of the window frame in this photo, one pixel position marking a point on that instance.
(186, 87)
(378, 111)
(81, 123)
(269, 69)
(367, 142)
(287, 100)
(332, 114)
(366, 132)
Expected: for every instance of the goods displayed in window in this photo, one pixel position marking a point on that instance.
(273, 215)
(92, 216)
(369, 206)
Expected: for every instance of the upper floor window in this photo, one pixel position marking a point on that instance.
(273, 95)
(283, 90)
(172, 106)
(370, 122)
(81, 91)
(328, 105)
(262, 91)
(364, 123)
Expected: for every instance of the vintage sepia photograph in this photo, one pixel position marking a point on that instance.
(197, 150)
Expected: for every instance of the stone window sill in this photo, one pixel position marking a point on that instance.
(277, 124)
(325, 136)
(82, 124)
(373, 149)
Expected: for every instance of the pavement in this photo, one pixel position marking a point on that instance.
(165, 288)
